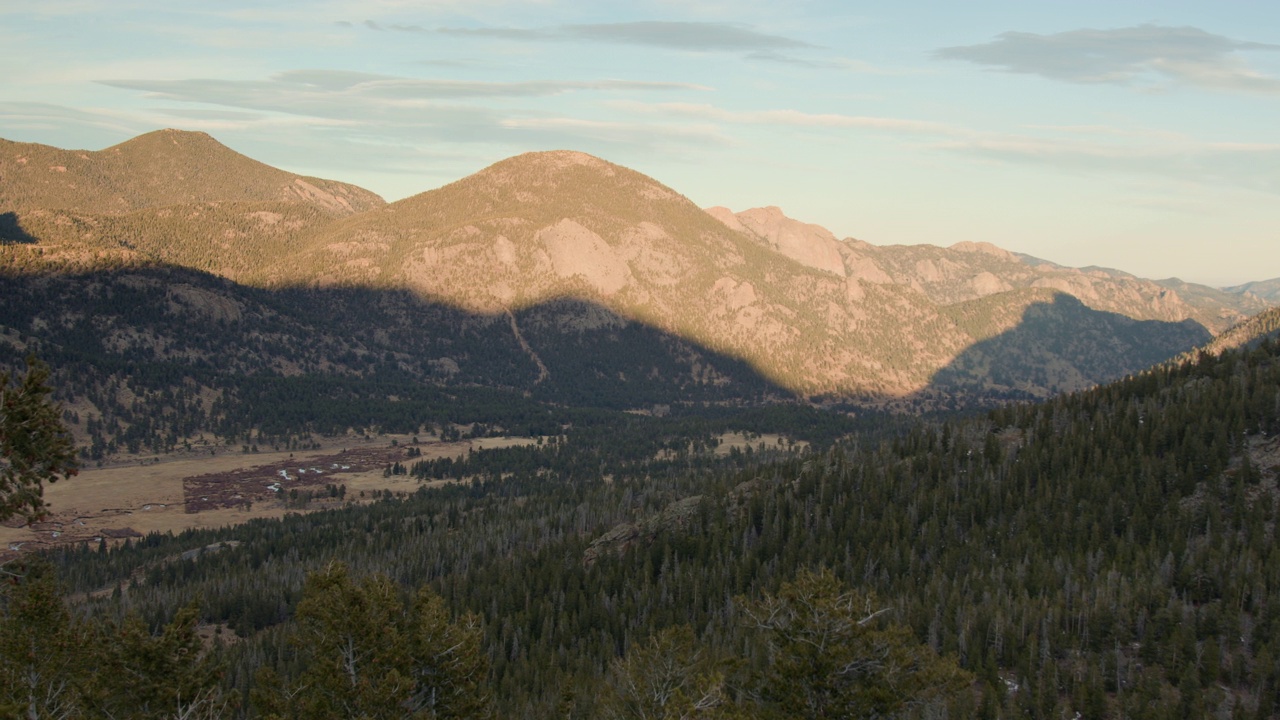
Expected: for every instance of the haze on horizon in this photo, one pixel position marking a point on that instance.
(1139, 136)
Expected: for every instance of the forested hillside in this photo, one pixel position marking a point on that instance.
(1109, 553)
(161, 359)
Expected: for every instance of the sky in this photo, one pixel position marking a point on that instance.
(1142, 136)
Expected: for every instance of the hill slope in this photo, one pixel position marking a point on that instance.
(1104, 554)
(1246, 334)
(564, 252)
(165, 167)
(1268, 290)
(968, 271)
(813, 317)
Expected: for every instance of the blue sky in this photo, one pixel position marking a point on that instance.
(1143, 136)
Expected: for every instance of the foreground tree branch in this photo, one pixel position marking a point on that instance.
(35, 447)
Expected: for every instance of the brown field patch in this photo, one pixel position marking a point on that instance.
(181, 492)
(767, 441)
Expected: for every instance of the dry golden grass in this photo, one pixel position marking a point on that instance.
(767, 441)
(148, 497)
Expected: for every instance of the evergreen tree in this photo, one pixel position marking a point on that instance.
(43, 660)
(366, 655)
(35, 447)
(669, 678)
(141, 676)
(830, 654)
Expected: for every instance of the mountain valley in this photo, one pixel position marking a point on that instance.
(549, 437)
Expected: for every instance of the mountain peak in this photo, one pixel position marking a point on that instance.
(569, 180)
(561, 158)
(768, 212)
(984, 248)
(160, 168)
(552, 161)
(562, 243)
(169, 139)
(547, 168)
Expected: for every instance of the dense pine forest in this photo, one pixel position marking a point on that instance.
(1109, 553)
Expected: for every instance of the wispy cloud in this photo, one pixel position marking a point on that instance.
(787, 117)
(314, 90)
(1126, 56)
(573, 130)
(707, 36)
(1079, 148)
(210, 114)
(1253, 166)
(33, 115)
(859, 67)
(689, 36)
(380, 109)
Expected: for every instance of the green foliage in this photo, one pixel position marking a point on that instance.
(824, 650)
(169, 675)
(54, 665)
(1092, 554)
(44, 651)
(670, 677)
(367, 655)
(830, 654)
(35, 447)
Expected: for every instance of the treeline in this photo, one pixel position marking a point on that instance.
(359, 647)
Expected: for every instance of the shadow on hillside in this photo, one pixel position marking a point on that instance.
(11, 231)
(1060, 346)
(563, 351)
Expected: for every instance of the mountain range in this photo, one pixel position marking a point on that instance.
(1115, 546)
(556, 274)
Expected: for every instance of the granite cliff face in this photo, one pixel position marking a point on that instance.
(810, 245)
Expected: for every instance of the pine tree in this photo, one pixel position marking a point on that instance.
(35, 447)
(831, 655)
(671, 677)
(43, 661)
(367, 655)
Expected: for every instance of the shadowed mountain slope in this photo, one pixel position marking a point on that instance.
(1062, 345)
(150, 357)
